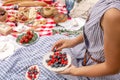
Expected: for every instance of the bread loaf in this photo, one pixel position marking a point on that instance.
(32, 3)
(24, 3)
(9, 2)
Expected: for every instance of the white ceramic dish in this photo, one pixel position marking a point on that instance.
(46, 57)
(26, 75)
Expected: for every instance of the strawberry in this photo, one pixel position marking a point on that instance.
(65, 62)
(21, 41)
(30, 37)
(26, 40)
(34, 76)
(28, 32)
(49, 63)
(23, 37)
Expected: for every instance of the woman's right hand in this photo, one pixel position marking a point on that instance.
(63, 43)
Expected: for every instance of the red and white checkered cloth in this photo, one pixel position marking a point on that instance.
(45, 30)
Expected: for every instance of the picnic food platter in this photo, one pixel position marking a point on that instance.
(27, 38)
(34, 15)
(57, 61)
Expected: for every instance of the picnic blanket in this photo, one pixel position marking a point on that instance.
(16, 66)
(45, 30)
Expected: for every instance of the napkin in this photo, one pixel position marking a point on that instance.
(6, 49)
(21, 27)
(73, 24)
(2, 46)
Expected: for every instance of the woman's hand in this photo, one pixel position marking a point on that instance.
(64, 43)
(69, 71)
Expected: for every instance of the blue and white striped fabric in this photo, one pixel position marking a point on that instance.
(15, 67)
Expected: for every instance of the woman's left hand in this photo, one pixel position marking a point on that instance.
(70, 70)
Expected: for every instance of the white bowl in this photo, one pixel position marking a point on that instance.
(46, 57)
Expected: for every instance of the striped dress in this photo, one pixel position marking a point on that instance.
(15, 67)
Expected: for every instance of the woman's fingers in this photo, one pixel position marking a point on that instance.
(53, 48)
(60, 47)
(57, 45)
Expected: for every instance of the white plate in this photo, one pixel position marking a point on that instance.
(26, 75)
(6, 49)
(46, 57)
(30, 43)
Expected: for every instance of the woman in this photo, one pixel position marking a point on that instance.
(97, 56)
(102, 43)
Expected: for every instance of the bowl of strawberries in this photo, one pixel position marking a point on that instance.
(32, 73)
(27, 38)
(57, 61)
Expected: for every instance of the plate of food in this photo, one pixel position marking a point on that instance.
(32, 73)
(57, 61)
(27, 38)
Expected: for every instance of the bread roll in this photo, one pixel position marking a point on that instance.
(60, 18)
(48, 12)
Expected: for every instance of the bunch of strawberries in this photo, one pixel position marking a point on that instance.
(27, 37)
